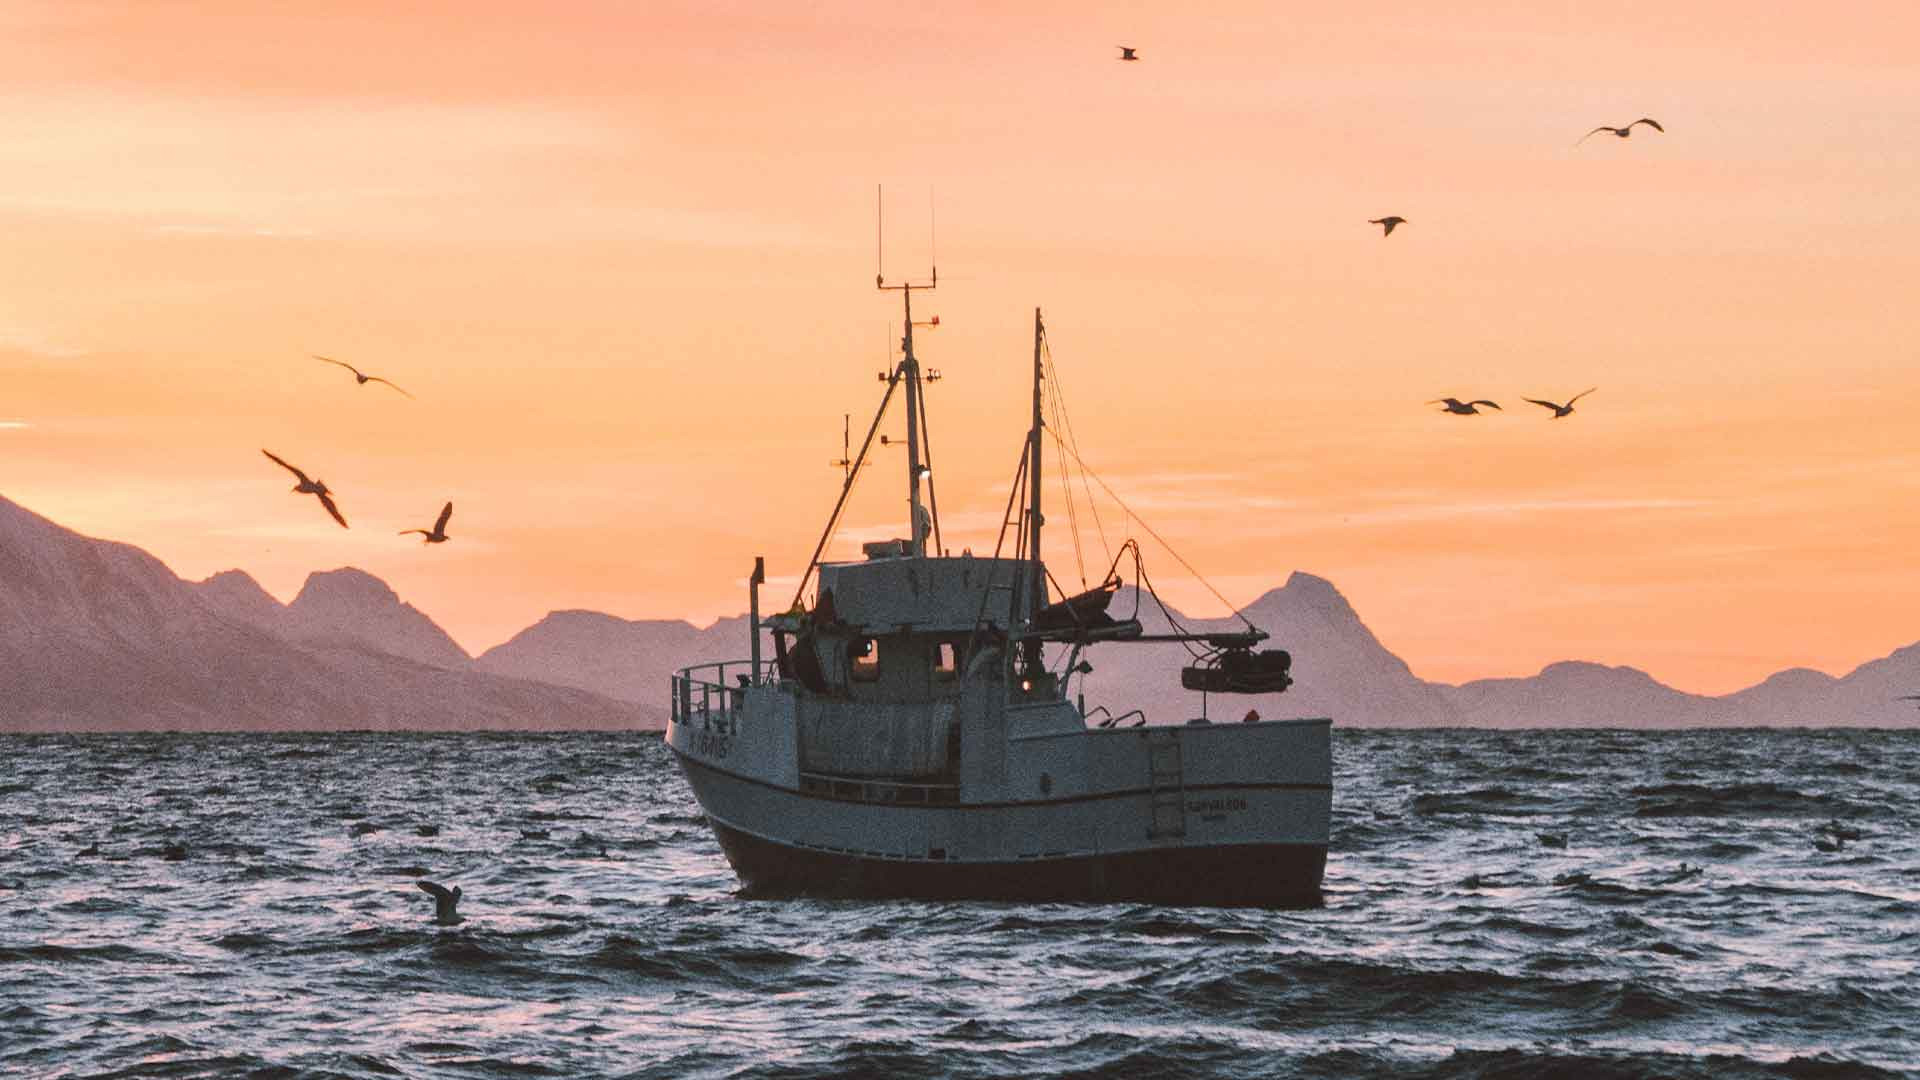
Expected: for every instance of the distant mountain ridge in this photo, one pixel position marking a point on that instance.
(350, 604)
(624, 659)
(96, 634)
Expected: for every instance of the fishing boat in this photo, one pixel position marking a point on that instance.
(916, 732)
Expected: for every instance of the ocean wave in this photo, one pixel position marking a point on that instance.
(1489, 800)
(1763, 799)
(736, 967)
(80, 954)
(1516, 1064)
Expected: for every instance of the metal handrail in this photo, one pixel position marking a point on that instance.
(709, 700)
(769, 672)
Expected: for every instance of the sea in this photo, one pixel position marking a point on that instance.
(1497, 904)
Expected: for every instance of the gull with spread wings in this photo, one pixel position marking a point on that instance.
(309, 487)
(1561, 410)
(359, 377)
(1623, 132)
(1462, 408)
(439, 533)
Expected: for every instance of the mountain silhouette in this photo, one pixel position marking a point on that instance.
(101, 635)
(624, 659)
(97, 635)
(349, 605)
(234, 593)
(1574, 693)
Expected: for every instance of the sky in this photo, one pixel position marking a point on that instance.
(623, 257)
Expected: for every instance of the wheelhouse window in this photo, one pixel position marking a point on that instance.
(946, 660)
(865, 654)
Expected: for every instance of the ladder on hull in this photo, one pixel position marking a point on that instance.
(1166, 787)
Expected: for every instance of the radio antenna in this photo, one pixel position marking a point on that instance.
(846, 449)
(933, 247)
(879, 236)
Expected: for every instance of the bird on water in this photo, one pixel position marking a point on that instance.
(1562, 410)
(439, 533)
(1126, 52)
(309, 487)
(1462, 408)
(360, 378)
(445, 900)
(1387, 223)
(1623, 132)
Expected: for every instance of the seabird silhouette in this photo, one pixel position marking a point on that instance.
(1462, 408)
(309, 487)
(1908, 697)
(359, 377)
(1623, 132)
(444, 902)
(1562, 410)
(1387, 223)
(439, 533)
(1838, 831)
(1687, 870)
(1126, 52)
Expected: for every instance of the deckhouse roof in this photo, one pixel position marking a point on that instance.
(924, 594)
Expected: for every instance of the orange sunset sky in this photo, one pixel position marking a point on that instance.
(623, 255)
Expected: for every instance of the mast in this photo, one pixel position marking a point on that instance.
(1037, 591)
(910, 372)
(919, 521)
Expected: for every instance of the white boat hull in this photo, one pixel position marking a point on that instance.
(1075, 816)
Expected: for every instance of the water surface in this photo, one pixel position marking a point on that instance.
(251, 912)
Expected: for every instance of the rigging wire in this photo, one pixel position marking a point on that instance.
(846, 491)
(1066, 491)
(1069, 448)
(1006, 518)
(1144, 584)
(1104, 486)
(1053, 377)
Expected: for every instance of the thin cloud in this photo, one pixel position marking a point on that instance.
(13, 425)
(15, 339)
(212, 229)
(1177, 493)
(1513, 507)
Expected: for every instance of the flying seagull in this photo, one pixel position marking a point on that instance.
(1561, 410)
(359, 377)
(309, 487)
(1623, 132)
(1462, 408)
(1126, 52)
(444, 902)
(439, 533)
(1387, 223)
